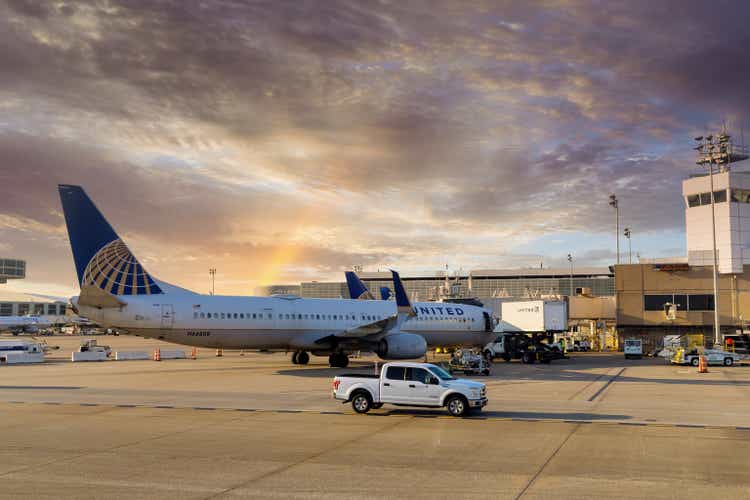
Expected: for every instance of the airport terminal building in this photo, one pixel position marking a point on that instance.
(674, 296)
(18, 304)
(482, 283)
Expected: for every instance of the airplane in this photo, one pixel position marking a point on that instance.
(23, 324)
(117, 292)
(358, 290)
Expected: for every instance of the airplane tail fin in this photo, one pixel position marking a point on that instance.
(357, 289)
(103, 261)
(385, 293)
(402, 300)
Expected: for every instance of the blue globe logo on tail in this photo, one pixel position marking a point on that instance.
(102, 259)
(114, 269)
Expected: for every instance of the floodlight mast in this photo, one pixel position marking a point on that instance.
(714, 149)
(613, 202)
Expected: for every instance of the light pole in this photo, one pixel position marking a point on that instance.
(626, 232)
(614, 203)
(212, 273)
(713, 150)
(570, 261)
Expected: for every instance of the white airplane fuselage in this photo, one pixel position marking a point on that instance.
(280, 323)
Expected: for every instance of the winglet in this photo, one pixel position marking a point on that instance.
(402, 300)
(357, 289)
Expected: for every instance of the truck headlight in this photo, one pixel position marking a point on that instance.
(475, 393)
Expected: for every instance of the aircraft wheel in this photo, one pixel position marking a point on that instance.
(295, 354)
(338, 360)
(303, 358)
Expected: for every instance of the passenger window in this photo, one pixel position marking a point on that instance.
(417, 375)
(222, 315)
(395, 373)
(317, 316)
(208, 315)
(242, 315)
(195, 315)
(203, 315)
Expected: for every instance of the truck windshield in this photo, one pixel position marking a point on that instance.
(441, 374)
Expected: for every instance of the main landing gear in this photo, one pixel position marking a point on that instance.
(338, 360)
(300, 358)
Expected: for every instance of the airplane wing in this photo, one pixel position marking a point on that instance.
(372, 328)
(379, 327)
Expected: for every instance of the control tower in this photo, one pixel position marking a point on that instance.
(12, 269)
(731, 207)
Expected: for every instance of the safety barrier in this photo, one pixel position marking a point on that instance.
(88, 356)
(172, 354)
(19, 357)
(131, 355)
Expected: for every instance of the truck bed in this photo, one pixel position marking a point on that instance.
(359, 375)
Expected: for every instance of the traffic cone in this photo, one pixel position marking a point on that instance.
(219, 352)
(194, 353)
(157, 354)
(702, 365)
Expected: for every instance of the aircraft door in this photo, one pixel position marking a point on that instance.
(167, 316)
(269, 317)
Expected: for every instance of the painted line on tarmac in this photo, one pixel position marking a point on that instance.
(604, 387)
(560, 420)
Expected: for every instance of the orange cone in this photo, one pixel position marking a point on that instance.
(157, 354)
(219, 352)
(702, 365)
(194, 353)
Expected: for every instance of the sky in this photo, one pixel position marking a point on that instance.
(281, 141)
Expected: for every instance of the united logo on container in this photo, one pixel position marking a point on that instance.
(115, 270)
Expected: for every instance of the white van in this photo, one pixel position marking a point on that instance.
(633, 348)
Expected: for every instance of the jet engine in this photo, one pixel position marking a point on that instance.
(401, 346)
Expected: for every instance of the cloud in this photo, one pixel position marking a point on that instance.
(316, 135)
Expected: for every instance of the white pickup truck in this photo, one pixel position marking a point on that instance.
(410, 384)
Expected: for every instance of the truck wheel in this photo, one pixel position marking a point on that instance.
(303, 358)
(457, 405)
(528, 358)
(488, 355)
(694, 361)
(362, 402)
(728, 361)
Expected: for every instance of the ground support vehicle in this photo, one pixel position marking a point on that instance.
(410, 384)
(633, 349)
(469, 363)
(91, 345)
(713, 357)
(509, 346)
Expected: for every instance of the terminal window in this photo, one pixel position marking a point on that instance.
(697, 302)
(6, 309)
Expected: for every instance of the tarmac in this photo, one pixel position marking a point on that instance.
(254, 425)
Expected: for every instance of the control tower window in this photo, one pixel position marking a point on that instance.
(741, 195)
